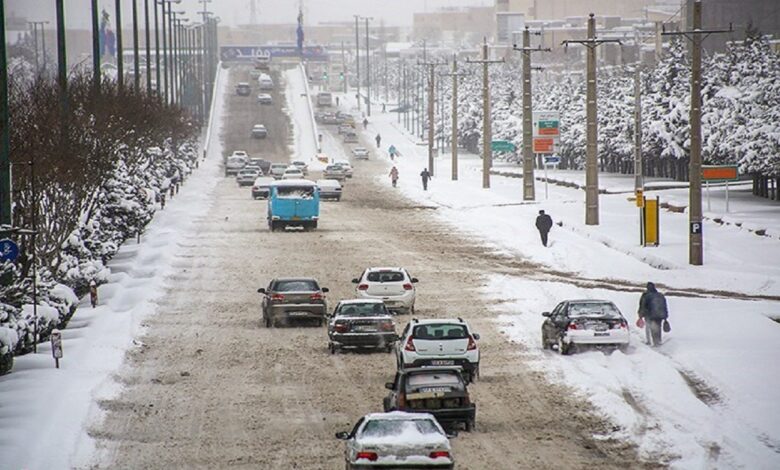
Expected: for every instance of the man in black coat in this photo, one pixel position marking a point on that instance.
(544, 224)
(425, 175)
(653, 310)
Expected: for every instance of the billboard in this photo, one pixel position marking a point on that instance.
(248, 53)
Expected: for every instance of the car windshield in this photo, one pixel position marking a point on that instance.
(333, 168)
(295, 192)
(386, 276)
(397, 427)
(594, 309)
(433, 380)
(367, 309)
(279, 166)
(440, 331)
(297, 285)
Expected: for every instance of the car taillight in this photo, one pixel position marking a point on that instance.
(277, 297)
(472, 344)
(255, 188)
(363, 287)
(408, 286)
(317, 296)
(620, 326)
(341, 327)
(572, 326)
(371, 456)
(409, 345)
(439, 453)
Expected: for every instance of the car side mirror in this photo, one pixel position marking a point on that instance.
(343, 435)
(546, 314)
(390, 385)
(355, 281)
(261, 290)
(476, 336)
(415, 280)
(325, 289)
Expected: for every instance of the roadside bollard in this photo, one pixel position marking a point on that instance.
(172, 190)
(56, 346)
(162, 200)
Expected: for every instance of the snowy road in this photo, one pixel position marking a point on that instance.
(212, 388)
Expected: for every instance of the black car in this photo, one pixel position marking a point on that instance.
(264, 164)
(243, 89)
(289, 299)
(361, 323)
(440, 391)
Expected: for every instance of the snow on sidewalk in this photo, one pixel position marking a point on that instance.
(52, 409)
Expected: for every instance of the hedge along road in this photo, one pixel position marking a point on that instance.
(213, 388)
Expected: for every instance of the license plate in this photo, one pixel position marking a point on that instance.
(295, 217)
(298, 314)
(601, 334)
(443, 363)
(364, 328)
(434, 389)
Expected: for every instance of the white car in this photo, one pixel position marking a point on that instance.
(346, 166)
(246, 177)
(292, 173)
(277, 170)
(578, 324)
(394, 286)
(235, 162)
(329, 189)
(262, 187)
(301, 165)
(439, 342)
(360, 153)
(265, 98)
(397, 440)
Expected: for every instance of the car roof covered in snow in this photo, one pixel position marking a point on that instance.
(329, 183)
(361, 301)
(400, 415)
(428, 321)
(296, 183)
(386, 268)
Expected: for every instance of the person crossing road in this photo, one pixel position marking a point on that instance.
(394, 176)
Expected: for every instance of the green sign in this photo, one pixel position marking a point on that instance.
(502, 146)
(548, 124)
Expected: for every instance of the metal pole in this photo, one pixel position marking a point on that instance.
(431, 124)
(400, 76)
(95, 48)
(5, 132)
(34, 25)
(696, 248)
(148, 43)
(171, 63)
(639, 182)
(43, 43)
(454, 138)
(120, 63)
(156, 51)
(529, 189)
(62, 68)
(591, 159)
(357, 57)
(368, 73)
(165, 50)
(136, 59)
(486, 137)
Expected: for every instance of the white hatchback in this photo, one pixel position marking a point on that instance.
(394, 286)
(292, 173)
(439, 342)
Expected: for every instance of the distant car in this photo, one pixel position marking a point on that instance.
(246, 177)
(361, 323)
(243, 89)
(350, 137)
(440, 391)
(334, 172)
(394, 286)
(235, 163)
(576, 324)
(265, 98)
(329, 189)
(252, 166)
(344, 128)
(265, 82)
(293, 299)
(277, 170)
(329, 118)
(301, 165)
(259, 131)
(439, 342)
(261, 187)
(360, 153)
(264, 164)
(346, 166)
(292, 173)
(397, 440)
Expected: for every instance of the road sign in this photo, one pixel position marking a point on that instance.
(650, 222)
(502, 146)
(9, 250)
(544, 145)
(552, 160)
(695, 228)
(547, 124)
(719, 172)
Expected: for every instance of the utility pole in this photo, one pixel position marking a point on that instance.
(591, 163)
(120, 65)
(454, 137)
(62, 65)
(431, 123)
(368, 70)
(164, 51)
(343, 68)
(639, 183)
(5, 131)
(696, 36)
(529, 190)
(34, 25)
(95, 48)
(487, 155)
(148, 43)
(136, 59)
(357, 57)
(156, 51)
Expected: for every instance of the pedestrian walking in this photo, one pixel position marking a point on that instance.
(365, 125)
(378, 139)
(337, 101)
(93, 294)
(383, 107)
(391, 151)
(544, 224)
(425, 175)
(394, 176)
(653, 314)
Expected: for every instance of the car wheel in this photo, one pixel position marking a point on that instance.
(563, 348)
(471, 425)
(386, 404)
(332, 348)
(545, 343)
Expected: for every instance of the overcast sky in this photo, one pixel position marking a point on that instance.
(237, 11)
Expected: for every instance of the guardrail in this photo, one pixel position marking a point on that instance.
(217, 84)
(314, 128)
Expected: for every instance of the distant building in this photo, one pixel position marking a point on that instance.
(466, 24)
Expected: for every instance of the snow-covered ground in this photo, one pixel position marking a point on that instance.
(50, 430)
(304, 146)
(704, 399)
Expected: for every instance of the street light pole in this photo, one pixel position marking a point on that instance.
(136, 59)
(148, 44)
(5, 131)
(454, 126)
(156, 51)
(95, 48)
(357, 56)
(431, 124)
(368, 71)
(120, 65)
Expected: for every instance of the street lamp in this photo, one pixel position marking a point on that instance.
(166, 35)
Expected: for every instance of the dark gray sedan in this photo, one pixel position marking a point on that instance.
(361, 323)
(293, 299)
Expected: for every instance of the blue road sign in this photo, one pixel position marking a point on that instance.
(552, 160)
(9, 250)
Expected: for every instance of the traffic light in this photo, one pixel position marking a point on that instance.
(325, 75)
(341, 76)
